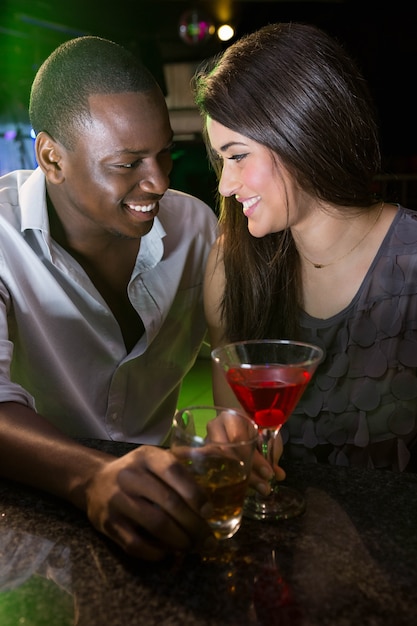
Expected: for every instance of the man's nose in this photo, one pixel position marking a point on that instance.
(155, 179)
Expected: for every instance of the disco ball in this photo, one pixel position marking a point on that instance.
(195, 27)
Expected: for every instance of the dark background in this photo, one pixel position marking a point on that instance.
(382, 38)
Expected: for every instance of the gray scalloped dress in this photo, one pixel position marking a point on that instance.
(360, 408)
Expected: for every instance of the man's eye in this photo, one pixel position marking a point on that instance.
(128, 166)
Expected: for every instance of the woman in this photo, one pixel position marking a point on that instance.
(307, 251)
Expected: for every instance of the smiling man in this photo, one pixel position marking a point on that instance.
(101, 268)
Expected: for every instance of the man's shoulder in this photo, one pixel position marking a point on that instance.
(182, 201)
(182, 212)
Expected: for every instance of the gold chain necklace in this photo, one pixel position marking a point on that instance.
(319, 266)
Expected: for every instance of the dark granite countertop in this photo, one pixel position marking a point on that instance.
(351, 559)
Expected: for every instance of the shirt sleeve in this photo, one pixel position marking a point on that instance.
(9, 391)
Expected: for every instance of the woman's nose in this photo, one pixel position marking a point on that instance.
(228, 183)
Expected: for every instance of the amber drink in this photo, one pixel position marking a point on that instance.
(216, 445)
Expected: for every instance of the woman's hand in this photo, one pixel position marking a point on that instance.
(263, 472)
(148, 504)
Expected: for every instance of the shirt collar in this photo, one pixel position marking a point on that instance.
(151, 247)
(32, 200)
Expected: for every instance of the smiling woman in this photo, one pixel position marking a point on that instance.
(245, 165)
(307, 251)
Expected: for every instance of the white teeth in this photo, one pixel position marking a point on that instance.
(248, 203)
(142, 209)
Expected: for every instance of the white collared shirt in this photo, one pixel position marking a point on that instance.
(62, 350)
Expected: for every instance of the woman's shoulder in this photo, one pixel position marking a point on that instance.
(405, 216)
(402, 235)
(394, 271)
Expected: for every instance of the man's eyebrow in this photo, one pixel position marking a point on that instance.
(129, 151)
(135, 152)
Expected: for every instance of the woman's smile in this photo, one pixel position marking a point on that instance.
(249, 205)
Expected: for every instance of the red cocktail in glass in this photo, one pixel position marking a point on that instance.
(268, 377)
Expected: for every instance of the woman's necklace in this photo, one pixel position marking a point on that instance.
(320, 266)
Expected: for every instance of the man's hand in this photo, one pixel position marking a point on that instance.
(148, 504)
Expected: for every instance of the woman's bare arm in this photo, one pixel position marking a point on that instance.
(214, 283)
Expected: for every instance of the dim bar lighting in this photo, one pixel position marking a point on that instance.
(225, 32)
(196, 27)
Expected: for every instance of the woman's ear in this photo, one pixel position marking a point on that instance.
(49, 156)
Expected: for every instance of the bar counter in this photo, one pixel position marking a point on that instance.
(350, 559)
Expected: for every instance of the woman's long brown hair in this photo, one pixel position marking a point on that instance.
(293, 89)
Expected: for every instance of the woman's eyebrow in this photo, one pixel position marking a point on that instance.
(230, 144)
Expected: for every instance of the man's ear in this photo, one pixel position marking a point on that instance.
(49, 155)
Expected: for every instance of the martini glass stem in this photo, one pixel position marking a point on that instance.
(266, 441)
(283, 502)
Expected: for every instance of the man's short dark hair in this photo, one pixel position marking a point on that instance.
(74, 71)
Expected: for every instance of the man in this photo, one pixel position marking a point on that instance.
(100, 300)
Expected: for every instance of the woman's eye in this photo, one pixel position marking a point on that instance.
(237, 157)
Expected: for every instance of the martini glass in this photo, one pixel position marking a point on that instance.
(268, 377)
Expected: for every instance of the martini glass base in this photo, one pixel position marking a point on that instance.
(282, 503)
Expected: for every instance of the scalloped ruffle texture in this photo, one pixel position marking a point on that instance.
(360, 409)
